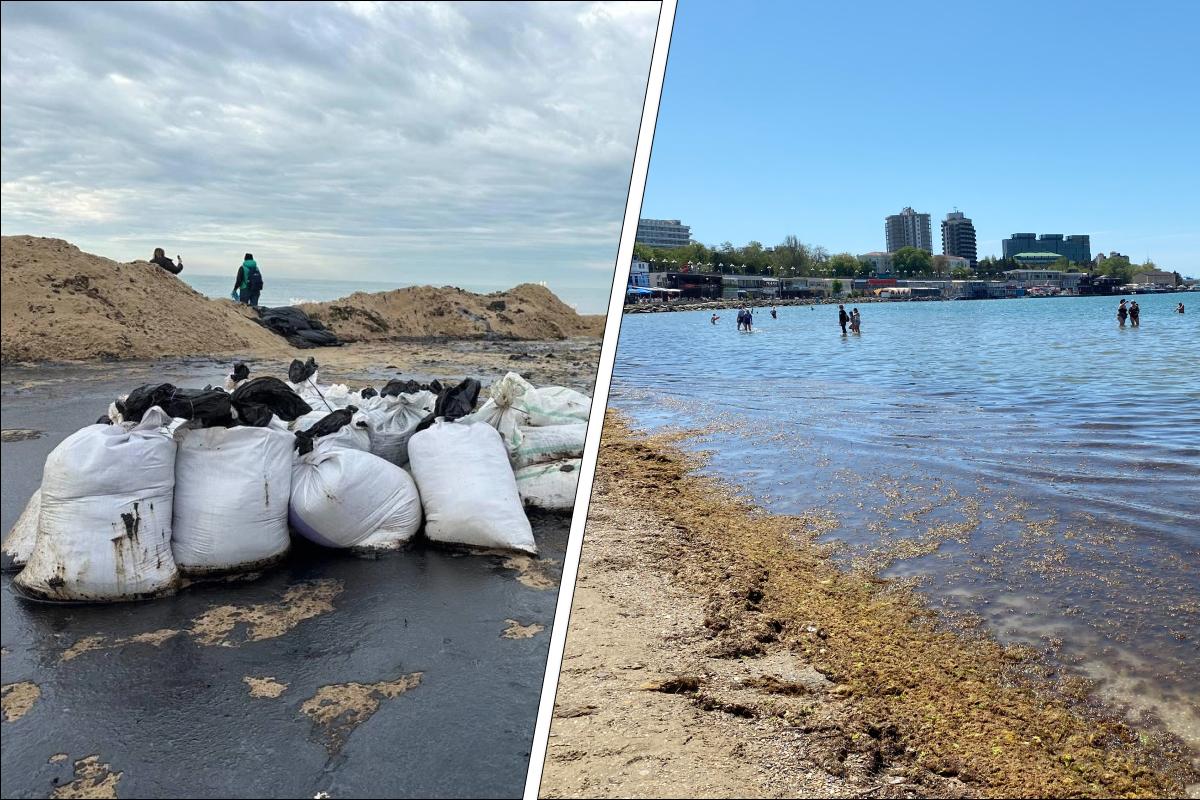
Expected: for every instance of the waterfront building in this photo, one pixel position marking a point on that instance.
(1036, 259)
(1035, 277)
(958, 237)
(687, 284)
(639, 273)
(1076, 248)
(663, 233)
(908, 229)
(881, 262)
(1154, 277)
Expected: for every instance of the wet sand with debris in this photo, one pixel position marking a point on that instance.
(329, 673)
(717, 650)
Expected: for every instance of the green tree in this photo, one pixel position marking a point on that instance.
(912, 261)
(960, 274)
(843, 265)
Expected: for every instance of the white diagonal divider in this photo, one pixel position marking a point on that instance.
(608, 352)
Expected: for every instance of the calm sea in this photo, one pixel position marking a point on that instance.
(289, 291)
(1032, 466)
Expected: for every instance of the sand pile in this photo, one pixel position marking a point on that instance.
(61, 304)
(527, 311)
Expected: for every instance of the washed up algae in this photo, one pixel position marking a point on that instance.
(957, 706)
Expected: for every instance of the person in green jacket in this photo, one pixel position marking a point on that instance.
(248, 283)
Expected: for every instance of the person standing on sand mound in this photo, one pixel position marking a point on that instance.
(160, 258)
(248, 283)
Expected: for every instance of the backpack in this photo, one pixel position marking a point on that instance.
(254, 281)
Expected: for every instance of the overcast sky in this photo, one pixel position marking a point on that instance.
(484, 144)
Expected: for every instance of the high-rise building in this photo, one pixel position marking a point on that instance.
(908, 229)
(958, 237)
(1076, 249)
(663, 233)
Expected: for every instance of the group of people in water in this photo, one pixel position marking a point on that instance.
(1129, 310)
(851, 321)
(246, 286)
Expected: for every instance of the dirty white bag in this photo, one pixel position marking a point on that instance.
(502, 409)
(392, 420)
(550, 443)
(232, 487)
(556, 405)
(323, 397)
(353, 435)
(18, 545)
(104, 531)
(550, 486)
(343, 496)
(468, 488)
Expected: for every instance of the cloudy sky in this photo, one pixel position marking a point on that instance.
(475, 144)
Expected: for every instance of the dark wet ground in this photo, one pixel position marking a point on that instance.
(172, 713)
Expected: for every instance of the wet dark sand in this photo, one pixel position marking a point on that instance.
(330, 673)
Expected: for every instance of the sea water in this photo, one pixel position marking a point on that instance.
(282, 291)
(1030, 465)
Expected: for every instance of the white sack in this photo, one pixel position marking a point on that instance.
(551, 443)
(468, 488)
(323, 397)
(232, 487)
(551, 486)
(556, 405)
(104, 531)
(343, 496)
(392, 420)
(514, 401)
(354, 435)
(18, 545)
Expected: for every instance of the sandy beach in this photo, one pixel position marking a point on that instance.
(714, 647)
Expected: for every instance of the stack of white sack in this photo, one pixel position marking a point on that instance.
(468, 488)
(232, 488)
(345, 497)
(392, 419)
(104, 526)
(539, 427)
(323, 397)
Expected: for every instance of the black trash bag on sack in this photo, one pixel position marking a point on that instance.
(367, 392)
(452, 403)
(210, 407)
(332, 422)
(398, 386)
(240, 372)
(300, 371)
(256, 400)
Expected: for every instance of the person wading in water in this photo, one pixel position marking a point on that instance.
(1122, 312)
(248, 283)
(843, 317)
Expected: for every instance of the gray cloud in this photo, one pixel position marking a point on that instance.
(475, 143)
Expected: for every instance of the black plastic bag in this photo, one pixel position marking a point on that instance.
(210, 407)
(332, 422)
(452, 403)
(369, 391)
(256, 400)
(300, 371)
(397, 387)
(240, 372)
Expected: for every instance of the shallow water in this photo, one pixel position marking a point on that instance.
(1033, 466)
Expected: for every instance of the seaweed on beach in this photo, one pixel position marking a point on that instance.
(955, 706)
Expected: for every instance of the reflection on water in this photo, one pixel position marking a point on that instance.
(1033, 466)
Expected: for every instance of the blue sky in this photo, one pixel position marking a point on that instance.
(819, 119)
(474, 144)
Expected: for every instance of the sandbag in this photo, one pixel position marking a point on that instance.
(533, 445)
(18, 545)
(232, 487)
(468, 488)
(348, 498)
(392, 420)
(550, 486)
(453, 402)
(556, 405)
(501, 410)
(104, 530)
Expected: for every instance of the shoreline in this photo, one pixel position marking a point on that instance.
(849, 682)
(760, 304)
